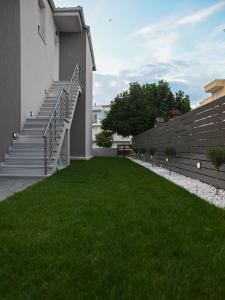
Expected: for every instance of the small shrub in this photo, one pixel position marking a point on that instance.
(170, 153)
(217, 158)
(143, 151)
(104, 139)
(152, 151)
(135, 151)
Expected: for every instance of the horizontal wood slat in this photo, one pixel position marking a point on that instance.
(192, 135)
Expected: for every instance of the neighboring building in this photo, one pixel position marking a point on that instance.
(40, 47)
(98, 114)
(217, 90)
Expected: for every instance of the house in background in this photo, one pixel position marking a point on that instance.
(99, 113)
(47, 61)
(217, 90)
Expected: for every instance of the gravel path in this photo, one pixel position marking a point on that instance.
(202, 190)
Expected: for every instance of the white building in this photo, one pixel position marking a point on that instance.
(99, 112)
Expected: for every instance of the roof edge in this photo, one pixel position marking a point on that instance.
(85, 27)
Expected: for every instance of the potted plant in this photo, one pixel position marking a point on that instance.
(217, 157)
(151, 152)
(170, 152)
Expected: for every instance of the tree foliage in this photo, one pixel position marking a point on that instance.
(104, 139)
(135, 110)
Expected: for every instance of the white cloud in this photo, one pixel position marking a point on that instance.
(201, 14)
(172, 23)
(113, 83)
(162, 47)
(146, 30)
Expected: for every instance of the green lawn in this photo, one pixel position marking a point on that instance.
(110, 229)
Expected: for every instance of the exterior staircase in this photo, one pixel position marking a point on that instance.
(36, 150)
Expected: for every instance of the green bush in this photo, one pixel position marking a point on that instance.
(152, 151)
(143, 151)
(104, 139)
(217, 157)
(170, 152)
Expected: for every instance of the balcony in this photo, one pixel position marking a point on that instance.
(215, 86)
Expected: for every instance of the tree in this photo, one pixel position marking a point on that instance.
(182, 102)
(135, 110)
(217, 158)
(104, 139)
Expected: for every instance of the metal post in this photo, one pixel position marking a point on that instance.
(45, 156)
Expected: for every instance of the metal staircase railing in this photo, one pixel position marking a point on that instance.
(62, 113)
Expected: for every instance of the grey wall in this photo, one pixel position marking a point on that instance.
(112, 152)
(73, 48)
(10, 70)
(39, 57)
(88, 100)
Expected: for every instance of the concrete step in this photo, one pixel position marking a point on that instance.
(14, 160)
(24, 138)
(42, 114)
(46, 109)
(50, 101)
(61, 82)
(32, 131)
(47, 105)
(37, 120)
(22, 145)
(26, 152)
(34, 125)
(23, 171)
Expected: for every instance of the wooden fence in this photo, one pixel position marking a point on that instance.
(192, 135)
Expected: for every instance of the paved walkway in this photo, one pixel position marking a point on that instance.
(10, 186)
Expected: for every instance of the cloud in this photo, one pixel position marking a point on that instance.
(172, 23)
(201, 14)
(189, 76)
(162, 47)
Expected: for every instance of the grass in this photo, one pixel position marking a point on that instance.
(110, 229)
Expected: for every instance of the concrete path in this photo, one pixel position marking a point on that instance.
(10, 186)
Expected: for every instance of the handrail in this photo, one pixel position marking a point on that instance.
(54, 109)
(71, 80)
(59, 114)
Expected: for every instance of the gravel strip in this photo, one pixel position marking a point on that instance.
(202, 190)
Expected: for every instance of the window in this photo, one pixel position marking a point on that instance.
(42, 20)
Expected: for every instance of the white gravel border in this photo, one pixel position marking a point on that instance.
(202, 190)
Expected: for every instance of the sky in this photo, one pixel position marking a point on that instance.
(180, 41)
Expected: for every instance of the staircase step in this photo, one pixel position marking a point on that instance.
(34, 126)
(25, 161)
(24, 145)
(24, 171)
(25, 157)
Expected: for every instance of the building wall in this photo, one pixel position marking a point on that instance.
(39, 58)
(88, 100)
(73, 48)
(10, 68)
